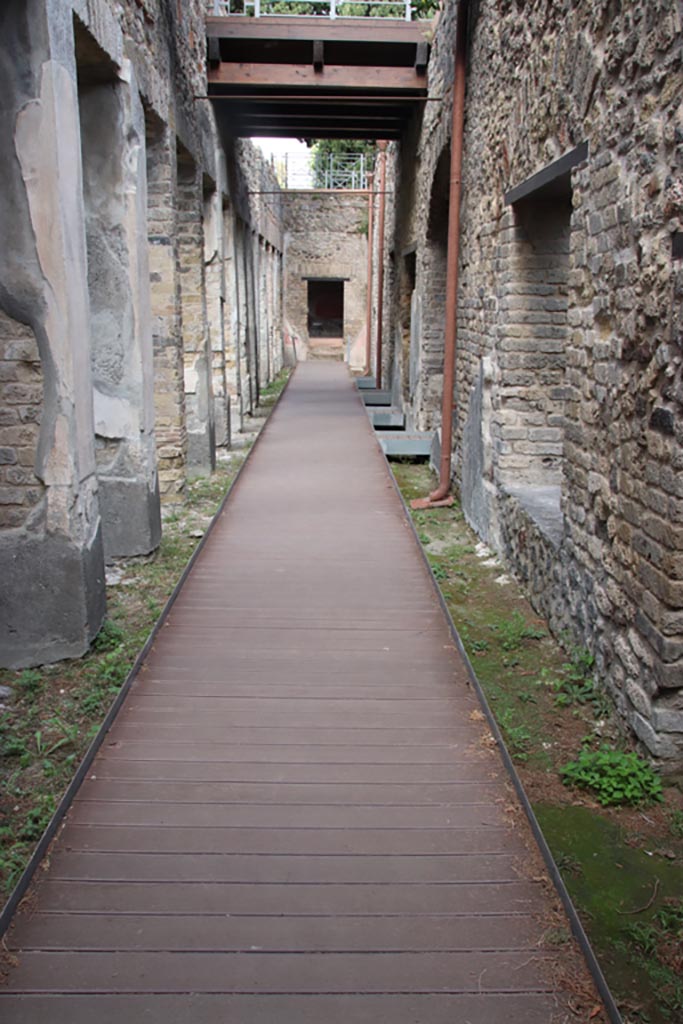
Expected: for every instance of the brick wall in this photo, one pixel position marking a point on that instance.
(326, 237)
(569, 368)
(21, 399)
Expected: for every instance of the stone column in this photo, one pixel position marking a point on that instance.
(112, 126)
(215, 301)
(264, 311)
(52, 598)
(169, 387)
(252, 318)
(199, 407)
(244, 309)
(231, 325)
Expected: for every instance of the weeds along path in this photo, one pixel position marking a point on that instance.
(299, 813)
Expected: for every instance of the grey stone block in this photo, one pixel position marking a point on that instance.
(131, 517)
(52, 601)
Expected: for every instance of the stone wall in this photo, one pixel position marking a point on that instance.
(568, 431)
(326, 238)
(113, 313)
(21, 400)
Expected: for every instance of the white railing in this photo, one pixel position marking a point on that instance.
(316, 8)
(341, 170)
(311, 170)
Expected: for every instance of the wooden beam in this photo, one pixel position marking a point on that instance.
(246, 131)
(302, 112)
(214, 52)
(335, 76)
(318, 55)
(351, 30)
(421, 58)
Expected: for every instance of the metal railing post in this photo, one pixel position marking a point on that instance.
(408, 11)
(333, 8)
(257, 8)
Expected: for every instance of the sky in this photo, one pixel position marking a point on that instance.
(298, 158)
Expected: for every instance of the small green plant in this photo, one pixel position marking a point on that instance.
(576, 686)
(440, 573)
(12, 745)
(37, 818)
(479, 646)
(656, 947)
(613, 776)
(518, 741)
(676, 824)
(109, 637)
(515, 630)
(517, 737)
(644, 936)
(29, 683)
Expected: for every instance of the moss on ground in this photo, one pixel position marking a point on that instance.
(622, 866)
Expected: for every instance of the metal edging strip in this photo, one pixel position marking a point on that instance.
(553, 870)
(64, 804)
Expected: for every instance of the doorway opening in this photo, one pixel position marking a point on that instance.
(325, 308)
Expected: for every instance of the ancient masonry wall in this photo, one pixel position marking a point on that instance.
(114, 315)
(568, 433)
(22, 493)
(326, 238)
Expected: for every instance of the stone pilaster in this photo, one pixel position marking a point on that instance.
(51, 564)
(114, 189)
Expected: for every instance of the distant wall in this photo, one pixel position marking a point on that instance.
(325, 237)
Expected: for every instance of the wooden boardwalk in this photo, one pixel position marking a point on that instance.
(296, 818)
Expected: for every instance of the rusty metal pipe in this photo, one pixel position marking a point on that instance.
(380, 257)
(453, 256)
(368, 302)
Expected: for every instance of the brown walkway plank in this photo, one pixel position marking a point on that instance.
(296, 816)
(200, 1008)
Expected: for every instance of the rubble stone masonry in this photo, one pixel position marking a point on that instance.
(569, 390)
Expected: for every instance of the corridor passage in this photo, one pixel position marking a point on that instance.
(298, 817)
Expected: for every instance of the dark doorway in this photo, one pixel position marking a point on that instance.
(326, 309)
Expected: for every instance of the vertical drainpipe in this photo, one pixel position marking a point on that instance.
(380, 256)
(368, 301)
(453, 258)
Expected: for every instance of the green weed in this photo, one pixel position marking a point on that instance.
(676, 824)
(656, 948)
(37, 818)
(109, 637)
(613, 776)
(29, 684)
(12, 745)
(514, 631)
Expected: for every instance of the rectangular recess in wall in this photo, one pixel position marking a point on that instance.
(325, 308)
(677, 245)
(549, 179)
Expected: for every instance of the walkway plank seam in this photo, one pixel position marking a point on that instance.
(296, 816)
